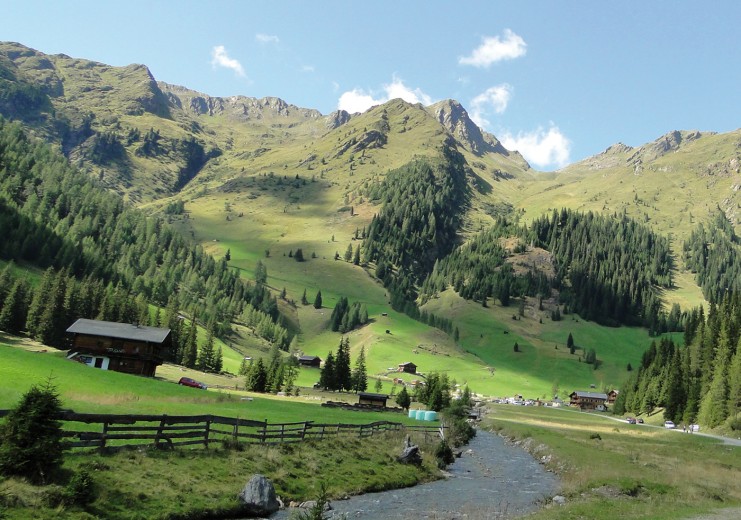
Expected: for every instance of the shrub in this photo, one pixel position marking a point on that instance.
(81, 489)
(444, 454)
(30, 437)
(595, 436)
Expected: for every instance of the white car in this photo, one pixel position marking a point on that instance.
(669, 425)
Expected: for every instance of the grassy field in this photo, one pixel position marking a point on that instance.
(612, 469)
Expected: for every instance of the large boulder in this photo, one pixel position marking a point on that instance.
(258, 496)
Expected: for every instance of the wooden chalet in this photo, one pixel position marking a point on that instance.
(369, 399)
(310, 361)
(408, 367)
(122, 347)
(589, 400)
(612, 396)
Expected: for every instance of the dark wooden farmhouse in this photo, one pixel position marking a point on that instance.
(589, 400)
(310, 361)
(408, 367)
(134, 349)
(367, 398)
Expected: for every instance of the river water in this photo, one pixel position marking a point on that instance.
(491, 480)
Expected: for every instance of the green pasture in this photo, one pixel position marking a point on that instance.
(85, 389)
(543, 366)
(611, 469)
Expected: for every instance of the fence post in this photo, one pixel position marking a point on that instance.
(264, 431)
(208, 430)
(104, 436)
(158, 435)
(306, 427)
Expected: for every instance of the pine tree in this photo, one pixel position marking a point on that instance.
(570, 344)
(356, 256)
(261, 273)
(327, 379)
(219, 360)
(206, 356)
(257, 379)
(318, 300)
(348, 253)
(190, 354)
(403, 399)
(304, 301)
(343, 374)
(14, 310)
(359, 375)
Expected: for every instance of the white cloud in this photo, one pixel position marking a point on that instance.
(219, 58)
(542, 148)
(494, 48)
(308, 68)
(494, 98)
(266, 38)
(357, 100)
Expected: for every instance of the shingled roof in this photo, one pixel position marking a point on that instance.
(109, 329)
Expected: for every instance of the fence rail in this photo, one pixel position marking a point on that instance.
(114, 431)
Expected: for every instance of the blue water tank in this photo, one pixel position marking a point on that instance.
(420, 415)
(430, 416)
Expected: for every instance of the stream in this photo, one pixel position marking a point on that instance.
(492, 479)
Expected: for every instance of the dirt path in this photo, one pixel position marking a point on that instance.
(731, 513)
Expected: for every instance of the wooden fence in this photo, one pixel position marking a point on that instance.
(81, 430)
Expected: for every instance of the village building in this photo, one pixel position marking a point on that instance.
(310, 361)
(408, 367)
(369, 399)
(589, 400)
(612, 396)
(122, 347)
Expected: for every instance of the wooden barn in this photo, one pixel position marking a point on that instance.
(310, 361)
(370, 399)
(122, 347)
(408, 367)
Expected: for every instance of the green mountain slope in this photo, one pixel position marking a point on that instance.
(260, 179)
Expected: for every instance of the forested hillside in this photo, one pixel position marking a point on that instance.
(422, 205)
(713, 252)
(54, 216)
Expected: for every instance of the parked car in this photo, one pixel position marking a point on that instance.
(669, 425)
(640, 420)
(631, 420)
(186, 381)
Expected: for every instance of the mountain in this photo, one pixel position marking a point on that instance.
(405, 185)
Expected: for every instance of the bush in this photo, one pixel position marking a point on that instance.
(81, 489)
(444, 454)
(595, 436)
(30, 437)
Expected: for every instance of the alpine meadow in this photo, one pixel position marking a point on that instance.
(300, 258)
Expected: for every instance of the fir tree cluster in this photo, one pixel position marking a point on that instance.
(336, 373)
(277, 375)
(699, 382)
(346, 317)
(714, 255)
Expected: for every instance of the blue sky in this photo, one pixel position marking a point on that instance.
(558, 81)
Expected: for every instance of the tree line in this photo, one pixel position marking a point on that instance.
(699, 381)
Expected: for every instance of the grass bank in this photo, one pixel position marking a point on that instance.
(152, 484)
(612, 470)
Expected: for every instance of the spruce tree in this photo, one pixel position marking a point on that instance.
(403, 399)
(343, 374)
(304, 301)
(359, 375)
(14, 309)
(327, 379)
(206, 356)
(31, 436)
(190, 354)
(318, 300)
